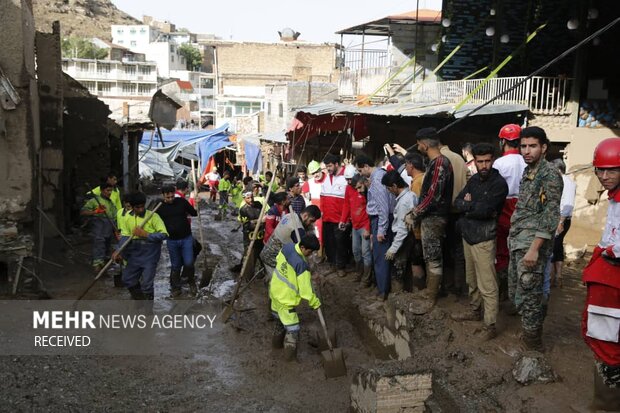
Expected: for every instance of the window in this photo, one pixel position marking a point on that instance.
(144, 89)
(132, 31)
(171, 48)
(103, 68)
(120, 42)
(172, 58)
(206, 83)
(133, 43)
(281, 110)
(142, 30)
(84, 67)
(229, 111)
(91, 86)
(65, 66)
(145, 70)
(130, 70)
(119, 31)
(269, 108)
(246, 108)
(128, 88)
(103, 88)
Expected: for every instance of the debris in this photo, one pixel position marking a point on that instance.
(387, 388)
(532, 367)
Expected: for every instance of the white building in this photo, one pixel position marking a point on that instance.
(113, 78)
(135, 37)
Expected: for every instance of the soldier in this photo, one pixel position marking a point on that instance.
(532, 227)
(432, 211)
(602, 276)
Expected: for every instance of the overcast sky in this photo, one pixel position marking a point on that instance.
(260, 20)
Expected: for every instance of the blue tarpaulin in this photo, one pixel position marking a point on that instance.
(253, 158)
(207, 142)
(186, 137)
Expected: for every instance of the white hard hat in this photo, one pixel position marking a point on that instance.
(350, 171)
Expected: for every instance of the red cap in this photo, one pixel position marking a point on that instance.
(510, 132)
(607, 154)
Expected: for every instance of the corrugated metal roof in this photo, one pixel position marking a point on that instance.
(407, 109)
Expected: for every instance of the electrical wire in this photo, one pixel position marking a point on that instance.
(534, 73)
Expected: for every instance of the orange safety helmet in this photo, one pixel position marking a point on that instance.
(607, 154)
(510, 132)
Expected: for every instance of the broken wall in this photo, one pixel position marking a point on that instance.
(19, 127)
(50, 82)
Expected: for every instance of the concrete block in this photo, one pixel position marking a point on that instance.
(387, 388)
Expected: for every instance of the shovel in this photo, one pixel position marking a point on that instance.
(333, 360)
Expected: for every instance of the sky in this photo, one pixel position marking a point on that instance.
(260, 20)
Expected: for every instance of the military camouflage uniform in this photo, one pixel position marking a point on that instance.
(536, 216)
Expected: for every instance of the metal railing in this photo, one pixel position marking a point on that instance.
(355, 59)
(542, 95)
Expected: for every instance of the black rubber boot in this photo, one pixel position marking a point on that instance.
(118, 279)
(190, 274)
(277, 339)
(136, 292)
(532, 340)
(605, 398)
(175, 283)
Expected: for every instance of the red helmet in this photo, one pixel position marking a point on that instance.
(607, 154)
(510, 132)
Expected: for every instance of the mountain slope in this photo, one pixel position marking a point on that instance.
(83, 18)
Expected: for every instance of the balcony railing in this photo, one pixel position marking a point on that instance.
(543, 95)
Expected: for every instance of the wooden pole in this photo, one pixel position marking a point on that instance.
(227, 312)
(200, 230)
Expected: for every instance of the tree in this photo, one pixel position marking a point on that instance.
(82, 48)
(193, 58)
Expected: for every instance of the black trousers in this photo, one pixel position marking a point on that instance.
(558, 243)
(334, 241)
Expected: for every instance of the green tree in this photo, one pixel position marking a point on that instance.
(82, 48)
(193, 59)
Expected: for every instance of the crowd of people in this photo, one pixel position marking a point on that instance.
(498, 219)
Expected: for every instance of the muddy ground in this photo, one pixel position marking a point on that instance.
(234, 369)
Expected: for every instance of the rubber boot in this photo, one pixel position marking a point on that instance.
(175, 283)
(532, 340)
(488, 333)
(136, 292)
(605, 398)
(502, 276)
(367, 277)
(359, 271)
(290, 345)
(433, 281)
(189, 273)
(277, 339)
(469, 315)
(118, 279)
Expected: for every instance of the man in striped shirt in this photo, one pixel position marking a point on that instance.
(380, 207)
(433, 210)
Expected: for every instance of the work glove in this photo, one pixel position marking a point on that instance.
(410, 219)
(389, 256)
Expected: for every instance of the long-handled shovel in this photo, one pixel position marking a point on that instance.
(111, 261)
(229, 309)
(333, 360)
(207, 275)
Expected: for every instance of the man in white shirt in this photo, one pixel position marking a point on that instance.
(510, 166)
(567, 204)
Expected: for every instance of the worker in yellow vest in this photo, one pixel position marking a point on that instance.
(290, 283)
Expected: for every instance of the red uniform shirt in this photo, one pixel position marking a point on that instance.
(354, 209)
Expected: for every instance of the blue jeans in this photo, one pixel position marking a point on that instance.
(361, 247)
(181, 252)
(142, 258)
(381, 265)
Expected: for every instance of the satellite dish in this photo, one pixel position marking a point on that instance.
(288, 35)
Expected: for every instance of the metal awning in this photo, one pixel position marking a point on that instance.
(276, 137)
(381, 27)
(410, 109)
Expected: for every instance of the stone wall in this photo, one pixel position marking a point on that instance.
(19, 128)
